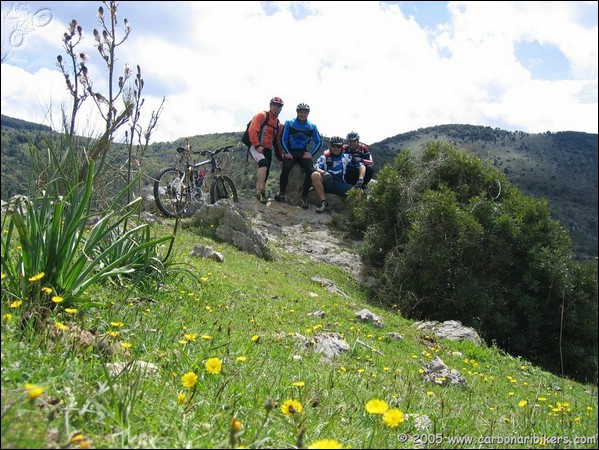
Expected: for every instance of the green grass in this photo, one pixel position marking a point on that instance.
(247, 312)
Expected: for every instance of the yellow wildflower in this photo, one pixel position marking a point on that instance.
(325, 443)
(213, 365)
(33, 391)
(291, 407)
(376, 406)
(393, 417)
(235, 425)
(189, 380)
(37, 277)
(181, 398)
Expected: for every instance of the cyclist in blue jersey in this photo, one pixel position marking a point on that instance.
(330, 171)
(297, 135)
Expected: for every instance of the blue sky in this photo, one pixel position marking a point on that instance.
(379, 68)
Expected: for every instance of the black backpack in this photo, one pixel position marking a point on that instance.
(246, 135)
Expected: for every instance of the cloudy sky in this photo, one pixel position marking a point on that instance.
(379, 68)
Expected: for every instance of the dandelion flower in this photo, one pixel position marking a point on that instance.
(376, 406)
(326, 443)
(190, 337)
(291, 407)
(299, 383)
(80, 441)
(4, 275)
(255, 338)
(181, 398)
(235, 425)
(393, 417)
(71, 310)
(61, 326)
(47, 290)
(522, 403)
(125, 344)
(116, 324)
(33, 391)
(189, 380)
(16, 304)
(213, 365)
(242, 358)
(37, 277)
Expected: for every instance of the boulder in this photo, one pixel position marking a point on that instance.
(294, 192)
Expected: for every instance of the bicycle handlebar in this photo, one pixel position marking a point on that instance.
(214, 152)
(207, 152)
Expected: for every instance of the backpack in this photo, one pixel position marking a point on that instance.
(246, 135)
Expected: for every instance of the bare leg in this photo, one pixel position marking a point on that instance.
(261, 179)
(318, 186)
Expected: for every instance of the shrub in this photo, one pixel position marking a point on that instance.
(456, 240)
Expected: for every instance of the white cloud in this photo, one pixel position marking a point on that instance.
(360, 66)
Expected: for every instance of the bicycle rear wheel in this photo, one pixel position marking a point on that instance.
(171, 193)
(223, 188)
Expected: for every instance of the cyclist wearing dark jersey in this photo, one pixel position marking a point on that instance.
(360, 155)
(297, 135)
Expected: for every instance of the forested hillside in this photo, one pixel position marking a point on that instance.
(561, 167)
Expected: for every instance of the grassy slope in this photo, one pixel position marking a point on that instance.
(246, 312)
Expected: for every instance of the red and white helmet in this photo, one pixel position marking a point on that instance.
(277, 101)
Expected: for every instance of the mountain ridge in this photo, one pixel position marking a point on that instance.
(560, 166)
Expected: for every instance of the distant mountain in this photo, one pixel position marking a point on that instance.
(19, 124)
(561, 166)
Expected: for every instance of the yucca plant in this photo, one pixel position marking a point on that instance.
(61, 257)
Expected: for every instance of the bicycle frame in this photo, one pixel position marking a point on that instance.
(177, 189)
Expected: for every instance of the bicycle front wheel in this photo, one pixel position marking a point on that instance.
(171, 193)
(223, 188)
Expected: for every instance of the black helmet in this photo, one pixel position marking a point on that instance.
(353, 136)
(337, 140)
(303, 107)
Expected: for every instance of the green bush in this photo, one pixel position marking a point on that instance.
(456, 240)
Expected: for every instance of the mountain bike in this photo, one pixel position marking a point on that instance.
(179, 191)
